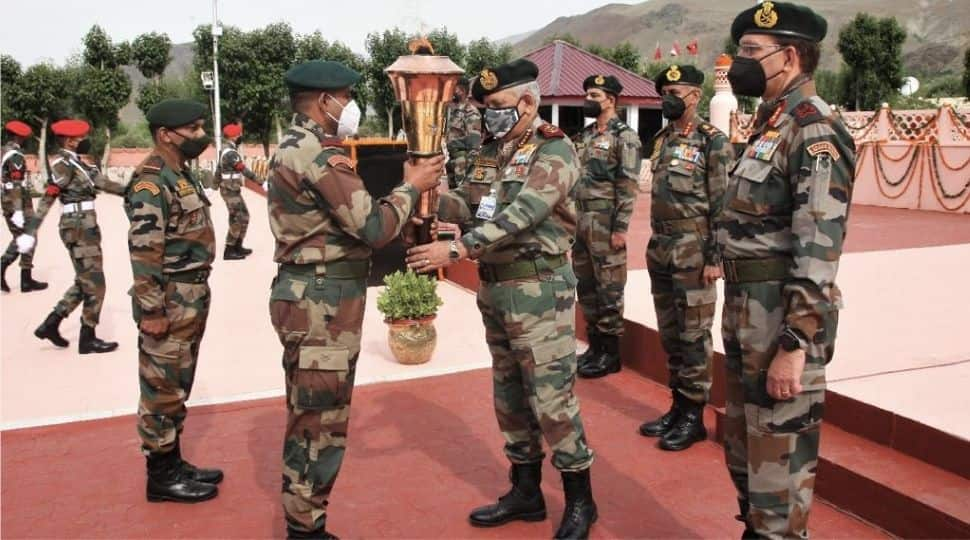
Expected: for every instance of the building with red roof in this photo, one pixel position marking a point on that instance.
(562, 69)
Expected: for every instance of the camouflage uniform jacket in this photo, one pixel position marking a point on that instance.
(789, 196)
(319, 209)
(171, 230)
(611, 169)
(74, 181)
(464, 128)
(689, 177)
(532, 180)
(232, 168)
(15, 189)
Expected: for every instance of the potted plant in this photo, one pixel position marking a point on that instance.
(409, 303)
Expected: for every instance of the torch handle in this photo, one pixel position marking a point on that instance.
(424, 231)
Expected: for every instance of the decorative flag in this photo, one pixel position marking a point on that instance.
(692, 47)
(675, 50)
(657, 53)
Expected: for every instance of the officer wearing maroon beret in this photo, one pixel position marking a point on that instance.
(18, 206)
(75, 183)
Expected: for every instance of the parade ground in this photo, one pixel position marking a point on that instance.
(424, 447)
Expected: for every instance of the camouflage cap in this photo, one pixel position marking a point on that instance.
(677, 74)
(780, 19)
(607, 83)
(514, 73)
(320, 75)
(173, 113)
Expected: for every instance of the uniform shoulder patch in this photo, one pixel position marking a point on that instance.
(709, 129)
(550, 131)
(823, 147)
(152, 165)
(339, 160)
(806, 113)
(145, 185)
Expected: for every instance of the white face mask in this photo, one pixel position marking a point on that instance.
(349, 119)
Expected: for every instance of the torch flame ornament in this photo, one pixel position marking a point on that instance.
(423, 84)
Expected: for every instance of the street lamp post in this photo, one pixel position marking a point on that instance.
(216, 112)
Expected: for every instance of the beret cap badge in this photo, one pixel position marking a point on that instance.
(599, 80)
(766, 17)
(673, 74)
(488, 79)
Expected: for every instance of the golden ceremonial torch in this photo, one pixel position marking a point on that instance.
(423, 84)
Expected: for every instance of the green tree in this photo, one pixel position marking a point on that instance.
(966, 73)
(567, 37)
(38, 98)
(315, 47)
(730, 47)
(483, 53)
(830, 85)
(384, 48)
(101, 88)
(10, 73)
(101, 53)
(446, 44)
(872, 50)
(624, 55)
(150, 54)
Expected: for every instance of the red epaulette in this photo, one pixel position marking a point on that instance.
(550, 131)
(806, 113)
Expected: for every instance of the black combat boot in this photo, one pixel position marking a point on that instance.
(90, 343)
(593, 350)
(689, 427)
(606, 362)
(168, 482)
(244, 250)
(660, 426)
(232, 253)
(580, 512)
(319, 534)
(749, 532)
(27, 282)
(3, 275)
(208, 476)
(523, 502)
(50, 329)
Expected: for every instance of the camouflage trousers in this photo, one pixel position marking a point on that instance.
(238, 215)
(530, 330)
(166, 366)
(601, 271)
(685, 311)
(11, 254)
(82, 238)
(771, 447)
(318, 321)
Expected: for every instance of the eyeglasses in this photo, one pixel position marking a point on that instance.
(751, 50)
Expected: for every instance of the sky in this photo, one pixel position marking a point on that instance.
(42, 37)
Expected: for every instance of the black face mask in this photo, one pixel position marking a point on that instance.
(747, 75)
(673, 107)
(192, 148)
(592, 109)
(84, 147)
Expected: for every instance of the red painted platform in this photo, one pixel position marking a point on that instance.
(421, 454)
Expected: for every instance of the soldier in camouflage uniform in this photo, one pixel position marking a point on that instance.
(605, 197)
(18, 205)
(229, 181)
(171, 241)
(781, 235)
(76, 184)
(690, 160)
(520, 223)
(326, 226)
(464, 135)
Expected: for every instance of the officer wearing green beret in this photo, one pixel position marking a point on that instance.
(519, 220)
(172, 244)
(690, 160)
(464, 135)
(781, 237)
(609, 152)
(326, 226)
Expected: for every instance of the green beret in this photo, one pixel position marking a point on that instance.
(514, 73)
(677, 74)
(607, 83)
(780, 19)
(173, 113)
(320, 75)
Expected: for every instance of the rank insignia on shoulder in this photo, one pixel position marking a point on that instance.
(807, 113)
(184, 187)
(550, 131)
(708, 129)
(657, 147)
(340, 160)
(145, 185)
(823, 147)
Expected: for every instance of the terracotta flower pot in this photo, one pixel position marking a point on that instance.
(412, 341)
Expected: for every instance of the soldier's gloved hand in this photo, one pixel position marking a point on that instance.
(155, 326)
(18, 218)
(25, 243)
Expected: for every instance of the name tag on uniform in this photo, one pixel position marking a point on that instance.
(764, 148)
(184, 187)
(603, 145)
(486, 207)
(686, 152)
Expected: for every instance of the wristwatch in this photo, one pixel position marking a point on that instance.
(788, 342)
(453, 252)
